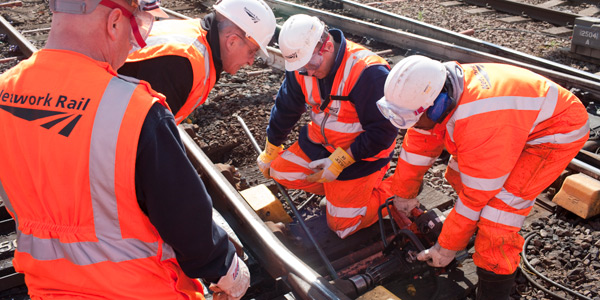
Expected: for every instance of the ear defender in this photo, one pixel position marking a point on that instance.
(441, 107)
(443, 104)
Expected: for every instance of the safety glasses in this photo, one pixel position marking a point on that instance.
(400, 118)
(251, 43)
(140, 21)
(315, 61)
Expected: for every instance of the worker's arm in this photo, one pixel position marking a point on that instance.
(289, 107)
(173, 196)
(169, 75)
(379, 134)
(419, 150)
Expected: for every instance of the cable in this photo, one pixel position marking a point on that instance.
(539, 286)
(529, 237)
(328, 265)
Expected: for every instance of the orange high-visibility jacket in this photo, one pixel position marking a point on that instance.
(67, 177)
(334, 121)
(501, 110)
(187, 39)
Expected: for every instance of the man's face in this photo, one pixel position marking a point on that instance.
(239, 51)
(319, 64)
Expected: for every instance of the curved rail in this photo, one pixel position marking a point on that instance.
(423, 29)
(552, 16)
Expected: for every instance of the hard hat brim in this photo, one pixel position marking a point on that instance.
(293, 66)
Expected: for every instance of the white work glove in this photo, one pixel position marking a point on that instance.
(236, 282)
(437, 256)
(404, 205)
(331, 167)
(265, 158)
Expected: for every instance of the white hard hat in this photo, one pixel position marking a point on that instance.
(411, 87)
(298, 38)
(254, 17)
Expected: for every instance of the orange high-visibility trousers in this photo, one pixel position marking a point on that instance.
(498, 246)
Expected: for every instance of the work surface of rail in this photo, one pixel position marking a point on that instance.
(249, 94)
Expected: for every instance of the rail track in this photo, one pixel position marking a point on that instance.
(549, 11)
(277, 268)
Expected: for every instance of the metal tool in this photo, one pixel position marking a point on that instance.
(283, 191)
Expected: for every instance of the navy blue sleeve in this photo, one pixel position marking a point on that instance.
(379, 133)
(289, 107)
(173, 196)
(169, 75)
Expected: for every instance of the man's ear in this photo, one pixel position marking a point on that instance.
(112, 24)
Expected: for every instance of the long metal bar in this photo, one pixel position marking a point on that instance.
(324, 258)
(427, 46)
(278, 260)
(24, 45)
(585, 168)
(392, 20)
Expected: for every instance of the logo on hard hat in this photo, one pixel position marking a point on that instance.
(252, 16)
(292, 56)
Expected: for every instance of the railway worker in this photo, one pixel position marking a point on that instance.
(101, 211)
(184, 58)
(345, 151)
(511, 133)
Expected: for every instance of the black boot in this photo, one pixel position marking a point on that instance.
(492, 286)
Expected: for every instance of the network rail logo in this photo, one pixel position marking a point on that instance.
(66, 121)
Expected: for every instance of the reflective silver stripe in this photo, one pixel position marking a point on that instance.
(493, 104)
(333, 123)
(293, 158)
(483, 184)
(513, 201)
(355, 57)
(453, 164)
(102, 162)
(416, 159)
(85, 253)
(289, 176)
(466, 212)
(308, 83)
(7, 203)
(563, 138)
(547, 109)
(498, 103)
(502, 217)
(186, 40)
(345, 212)
(167, 252)
(110, 246)
(344, 233)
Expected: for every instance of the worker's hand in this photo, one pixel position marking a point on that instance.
(437, 256)
(331, 167)
(267, 156)
(404, 205)
(235, 283)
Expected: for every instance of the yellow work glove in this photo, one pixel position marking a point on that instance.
(331, 167)
(267, 156)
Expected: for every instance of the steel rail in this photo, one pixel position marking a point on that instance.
(14, 36)
(392, 20)
(552, 16)
(416, 44)
(277, 259)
